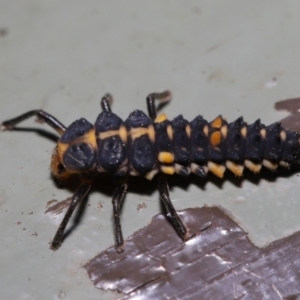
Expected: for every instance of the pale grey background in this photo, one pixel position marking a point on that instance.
(231, 57)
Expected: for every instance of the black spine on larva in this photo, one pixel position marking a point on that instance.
(181, 141)
(273, 143)
(108, 121)
(77, 129)
(111, 149)
(162, 141)
(254, 149)
(199, 141)
(142, 154)
(291, 150)
(235, 142)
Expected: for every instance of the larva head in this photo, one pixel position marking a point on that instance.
(76, 149)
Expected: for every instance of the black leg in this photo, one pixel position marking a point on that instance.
(163, 188)
(106, 102)
(80, 193)
(118, 197)
(163, 98)
(42, 115)
(172, 214)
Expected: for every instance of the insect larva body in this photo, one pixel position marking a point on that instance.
(142, 147)
(155, 146)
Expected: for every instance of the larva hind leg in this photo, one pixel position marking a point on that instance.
(175, 220)
(118, 198)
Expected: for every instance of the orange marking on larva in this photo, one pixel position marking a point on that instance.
(134, 173)
(284, 164)
(179, 168)
(194, 167)
(166, 157)
(61, 149)
(160, 118)
(235, 168)
(188, 130)
(205, 130)
(255, 168)
(215, 138)
(244, 131)
(263, 133)
(151, 133)
(170, 132)
(107, 134)
(217, 169)
(151, 174)
(140, 131)
(168, 170)
(90, 138)
(283, 135)
(217, 122)
(224, 131)
(270, 165)
(123, 134)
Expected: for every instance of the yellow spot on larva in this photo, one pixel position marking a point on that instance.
(188, 130)
(224, 131)
(255, 168)
(160, 118)
(134, 173)
(283, 135)
(151, 174)
(194, 167)
(244, 131)
(123, 134)
(166, 157)
(217, 122)
(268, 164)
(205, 130)
(215, 138)
(167, 170)
(263, 133)
(61, 149)
(170, 132)
(89, 138)
(217, 169)
(107, 134)
(140, 131)
(235, 168)
(151, 133)
(284, 164)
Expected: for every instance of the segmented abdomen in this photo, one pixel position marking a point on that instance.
(140, 146)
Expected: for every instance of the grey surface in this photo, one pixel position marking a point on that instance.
(235, 58)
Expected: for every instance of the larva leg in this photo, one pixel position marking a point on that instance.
(80, 193)
(118, 197)
(163, 187)
(163, 98)
(42, 115)
(106, 102)
(172, 214)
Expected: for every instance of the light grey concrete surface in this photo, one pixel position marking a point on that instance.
(231, 57)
